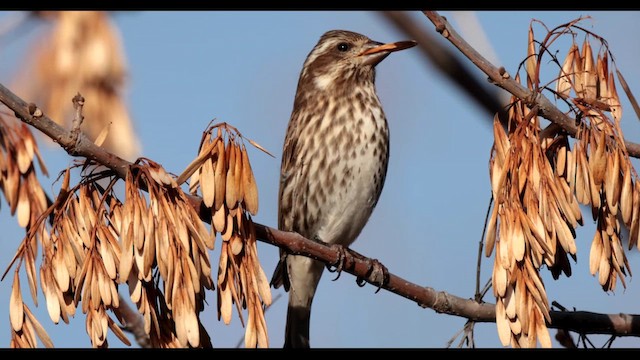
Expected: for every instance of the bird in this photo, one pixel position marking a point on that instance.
(334, 161)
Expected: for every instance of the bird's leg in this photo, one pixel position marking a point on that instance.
(377, 273)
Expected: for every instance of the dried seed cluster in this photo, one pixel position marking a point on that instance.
(80, 255)
(18, 179)
(155, 242)
(24, 326)
(164, 231)
(82, 53)
(27, 201)
(223, 174)
(538, 183)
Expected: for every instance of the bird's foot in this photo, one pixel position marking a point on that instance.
(339, 264)
(376, 274)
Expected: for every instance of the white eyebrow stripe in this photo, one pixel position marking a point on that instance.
(317, 51)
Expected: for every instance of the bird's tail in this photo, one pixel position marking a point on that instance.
(280, 276)
(301, 274)
(296, 334)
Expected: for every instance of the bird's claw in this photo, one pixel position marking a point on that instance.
(379, 273)
(376, 274)
(339, 264)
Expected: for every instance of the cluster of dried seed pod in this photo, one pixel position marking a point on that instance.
(598, 168)
(538, 184)
(164, 232)
(18, 179)
(97, 241)
(591, 82)
(25, 328)
(605, 180)
(80, 259)
(27, 201)
(82, 53)
(223, 173)
(154, 241)
(527, 228)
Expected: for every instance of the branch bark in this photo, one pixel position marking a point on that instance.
(448, 64)
(355, 264)
(500, 77)
(132, 322)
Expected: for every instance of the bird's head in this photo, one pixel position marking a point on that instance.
(342, 56)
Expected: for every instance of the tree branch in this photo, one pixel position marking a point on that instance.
(32, 115)
(448, 64)
(501, 78)
(440, 301)
(355, 264)
(78, 103)
(132, 322)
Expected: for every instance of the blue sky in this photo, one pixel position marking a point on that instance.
(242, 68)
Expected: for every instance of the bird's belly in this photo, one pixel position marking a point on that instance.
(347, 209)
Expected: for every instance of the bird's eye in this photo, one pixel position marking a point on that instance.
(343, 47)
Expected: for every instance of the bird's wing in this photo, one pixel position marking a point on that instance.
(289, 178)
(290, 175)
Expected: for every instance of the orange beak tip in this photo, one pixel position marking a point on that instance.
(406, 44)
(391, 47)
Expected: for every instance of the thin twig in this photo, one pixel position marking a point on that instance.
(132, 322)
(586, 341)
(480, 247)
(454, 337)
(627, 90)
(275, 299)
(468, 331)
(486, 288)
(78, 103)
(609, 342)
(502, 79)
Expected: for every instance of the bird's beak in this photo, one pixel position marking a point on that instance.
(390, 47)
(381, 51)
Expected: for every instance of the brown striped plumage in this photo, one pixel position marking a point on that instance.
(334, 160)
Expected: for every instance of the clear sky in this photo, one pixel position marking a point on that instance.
(242, 68)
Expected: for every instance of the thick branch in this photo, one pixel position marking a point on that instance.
(132, 322)
(32, 115)
(447, 63)
(502, 79)
(440, 301)
(583, 322)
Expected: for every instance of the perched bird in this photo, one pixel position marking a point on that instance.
(334, 161)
